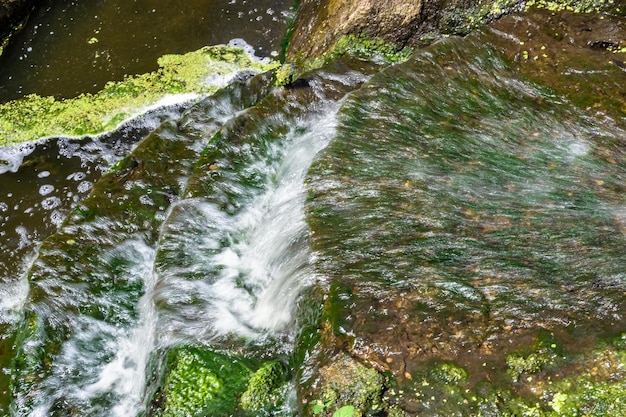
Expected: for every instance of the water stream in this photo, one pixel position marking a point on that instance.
(164, 253)
(446, 209)
(71, 47)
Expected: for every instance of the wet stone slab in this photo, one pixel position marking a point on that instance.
(468, 221)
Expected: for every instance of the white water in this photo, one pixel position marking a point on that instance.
(242, 273)
(101, 358)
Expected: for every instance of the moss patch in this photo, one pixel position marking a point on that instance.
(364, 47)
(263, 387)
(577, 6)
(199, 72)
(348, 387)
(202, 382)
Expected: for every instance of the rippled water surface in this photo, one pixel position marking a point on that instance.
(448, 208)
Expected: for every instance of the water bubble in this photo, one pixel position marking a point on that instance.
(57, 218)
(76, 176)
(144, 199)
(46, 189)
(51, 203)
(43, 174)
(84, 187)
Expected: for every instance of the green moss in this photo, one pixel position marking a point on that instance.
(348, 382)
(285, 74)
(371, 48)
(263, 386)
(547, 352)
(361, 46)
(450, 373)
(457, 21)
(33, 116)
(202, 382)
(577, 6)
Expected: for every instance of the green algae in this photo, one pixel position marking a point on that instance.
(347, 382)
(587, 384)
(263, 387)
(198, 72)
(367, 47)
(458, 21)
(360, 46)
(576, 6)
(203, 382)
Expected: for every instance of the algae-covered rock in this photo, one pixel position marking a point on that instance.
(202, 382)
(263, 387)
(187, 76)
(347, 387)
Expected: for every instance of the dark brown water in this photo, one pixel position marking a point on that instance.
(57, 53)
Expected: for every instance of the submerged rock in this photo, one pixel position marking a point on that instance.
(468, 225)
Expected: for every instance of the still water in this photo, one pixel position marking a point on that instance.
(73, 47)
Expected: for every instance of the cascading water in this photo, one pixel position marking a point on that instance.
(126, 276)
(86, 312)
(244, 267)
(457, 229)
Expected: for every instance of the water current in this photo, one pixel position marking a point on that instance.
(446, 207)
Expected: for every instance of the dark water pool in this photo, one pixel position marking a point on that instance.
(74, 46)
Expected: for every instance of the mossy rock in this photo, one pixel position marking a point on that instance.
(199, 72)
(201, 381)
(345, 382)
(263, 387)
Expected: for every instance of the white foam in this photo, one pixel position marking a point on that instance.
(11, 157)
(250, 267)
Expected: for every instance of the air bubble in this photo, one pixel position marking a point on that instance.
(51, 203)
(46, 189)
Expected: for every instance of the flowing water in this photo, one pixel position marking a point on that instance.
(447, 208)
(128, 273)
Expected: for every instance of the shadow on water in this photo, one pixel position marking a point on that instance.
(71, 47)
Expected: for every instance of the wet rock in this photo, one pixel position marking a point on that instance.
(466, 222)
(12, 12)
(325, 28)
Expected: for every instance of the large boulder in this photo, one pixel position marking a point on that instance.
(325, 28)
(467, 222)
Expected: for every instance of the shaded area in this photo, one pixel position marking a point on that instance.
(71, 47)
(12, 12)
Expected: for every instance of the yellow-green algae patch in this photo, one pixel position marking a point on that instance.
(577, 6)
(34, 117)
